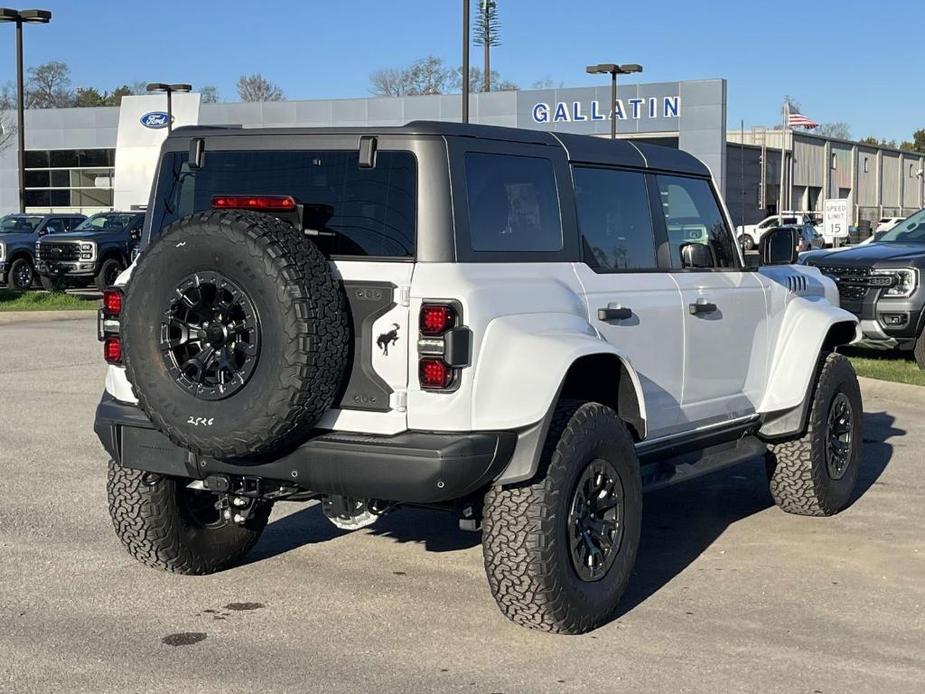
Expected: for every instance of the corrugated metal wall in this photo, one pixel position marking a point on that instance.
(808, 163)
(890, 180)
(912, 182)
(868, 178)
(841, 174)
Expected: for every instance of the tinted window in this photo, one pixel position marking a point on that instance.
(911, 230)
(513, 203)
(615, 219)
(18, 225)
(692, 215)
(365, 212)
(107, 221)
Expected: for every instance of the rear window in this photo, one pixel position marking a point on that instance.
(364, 212)
(513, 203)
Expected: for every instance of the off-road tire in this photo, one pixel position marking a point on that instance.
(150, 520)
(799, 478)
(918, 351)
(304, 328)
(106, 269)
(748, 243)
(52, 284)
(525, 535)
(12, 275)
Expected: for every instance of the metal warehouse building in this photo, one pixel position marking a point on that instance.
(89, 159)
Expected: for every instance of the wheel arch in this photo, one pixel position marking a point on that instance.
(811, 330)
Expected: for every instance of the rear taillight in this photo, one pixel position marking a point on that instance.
(444, 345)
(112, 350)
(258, 203)
(108, 325)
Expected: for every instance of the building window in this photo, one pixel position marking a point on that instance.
(834, 161)
(911, 170)
(866, 165)
(81, 179)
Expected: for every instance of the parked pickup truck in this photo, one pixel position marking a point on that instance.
(95, 252)
(18, 235)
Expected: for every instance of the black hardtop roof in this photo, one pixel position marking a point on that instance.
(579, 148)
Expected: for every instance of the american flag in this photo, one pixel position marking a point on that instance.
(798, 120)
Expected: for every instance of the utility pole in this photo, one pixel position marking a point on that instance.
(465, 62)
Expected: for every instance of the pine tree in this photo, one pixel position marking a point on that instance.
(487, 35)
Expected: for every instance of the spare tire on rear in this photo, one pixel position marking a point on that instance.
(235, 334)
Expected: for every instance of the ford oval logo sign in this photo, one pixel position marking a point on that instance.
(155, 120)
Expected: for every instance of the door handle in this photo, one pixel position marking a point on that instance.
(701, 307)
(614, 313)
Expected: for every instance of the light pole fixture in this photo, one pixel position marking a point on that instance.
(169, 89)
(22, 17)
(465, 61)
(613, 70)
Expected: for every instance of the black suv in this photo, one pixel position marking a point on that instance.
(18, 235)
(881, 283)
(97, 250)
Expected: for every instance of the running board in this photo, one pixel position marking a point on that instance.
(688, 466)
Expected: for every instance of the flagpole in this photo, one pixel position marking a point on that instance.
(783, 157)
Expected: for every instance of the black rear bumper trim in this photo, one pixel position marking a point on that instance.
(414, 466)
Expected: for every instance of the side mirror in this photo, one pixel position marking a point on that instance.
(697, 255)
(779, 246)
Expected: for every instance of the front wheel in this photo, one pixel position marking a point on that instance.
(919, 350)
(815, 475)
(21, 275)
(166, 525)
(559, 549)
(109, 272)
(748, 243)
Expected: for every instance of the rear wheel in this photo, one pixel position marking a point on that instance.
(21, 275)
(748, 243)
(166, 525)
(559, 549)
(815, 475)
(109, 271)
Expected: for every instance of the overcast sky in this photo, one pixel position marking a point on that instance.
(843, 61)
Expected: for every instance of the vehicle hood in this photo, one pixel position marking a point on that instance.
(17, 239)
(83, 236)
(871, 255)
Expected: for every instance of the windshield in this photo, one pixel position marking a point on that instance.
(107, 221)
(355, 211)
(18, 225)
(911, 230)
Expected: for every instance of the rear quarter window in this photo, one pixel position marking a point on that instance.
(513, 203)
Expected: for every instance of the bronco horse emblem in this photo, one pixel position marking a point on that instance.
(386, 339)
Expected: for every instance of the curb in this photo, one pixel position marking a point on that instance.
(15, 317)
(890, 390)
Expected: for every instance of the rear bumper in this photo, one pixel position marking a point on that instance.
(414, 467)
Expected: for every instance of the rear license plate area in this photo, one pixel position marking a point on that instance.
(150, 450)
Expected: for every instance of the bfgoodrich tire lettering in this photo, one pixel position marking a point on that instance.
(152, 519)
(304, 333)
(526, 535)
(803, 478)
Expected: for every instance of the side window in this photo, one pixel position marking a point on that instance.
(615, 219)
(54, 226)
(692, 215)
(513, 203)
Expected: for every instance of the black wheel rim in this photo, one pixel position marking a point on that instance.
(839, 436)
(22, 278)
(210, 336)
(595, 521)
(111, 274)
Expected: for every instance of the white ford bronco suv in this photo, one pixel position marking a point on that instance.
(527, 329)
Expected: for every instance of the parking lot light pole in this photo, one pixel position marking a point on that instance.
(613, 70)
(22, 17)
(169, 89)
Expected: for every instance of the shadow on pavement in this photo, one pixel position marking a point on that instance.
(679, 523)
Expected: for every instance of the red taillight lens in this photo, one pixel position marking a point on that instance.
(112, 303)
(260, 203)
(435, 373)
(112, 350)
(436, 319)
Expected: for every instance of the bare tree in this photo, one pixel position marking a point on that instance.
(428, 76)
(49, 86)
(256, 87)
(208, 94)
(7, 117)
(840, 131)
(477, 81)
(487, 35)
(388, 82)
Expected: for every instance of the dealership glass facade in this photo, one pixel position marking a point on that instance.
(69, 178)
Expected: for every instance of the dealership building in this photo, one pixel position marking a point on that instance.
(91, 159)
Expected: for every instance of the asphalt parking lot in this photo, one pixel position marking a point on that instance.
(730, 594)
